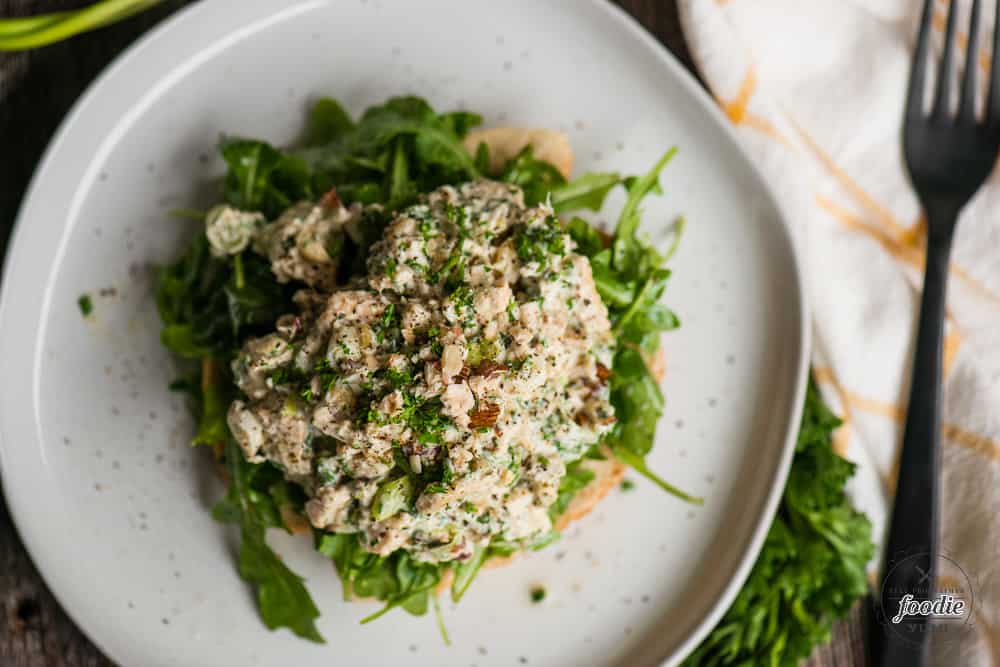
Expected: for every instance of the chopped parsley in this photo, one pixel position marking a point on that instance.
(537, 594)
(387, 324)
(398, 378)
(535, 243)
(462, 297)
(423, 416)
(86, 304)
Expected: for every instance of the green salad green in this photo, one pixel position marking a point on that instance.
(389, 156)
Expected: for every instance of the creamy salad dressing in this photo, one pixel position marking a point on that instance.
(433, 404)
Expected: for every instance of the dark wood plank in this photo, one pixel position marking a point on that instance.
(36, 91)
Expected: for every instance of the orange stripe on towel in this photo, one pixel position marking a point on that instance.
(904, 253)
(736, 108)
(975, 442)
(906, 248)
(882, 214)
(767, 128)
(952, 343)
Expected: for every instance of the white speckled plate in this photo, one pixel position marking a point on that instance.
(113, 504)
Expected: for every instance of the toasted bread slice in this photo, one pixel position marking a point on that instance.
(506, 142)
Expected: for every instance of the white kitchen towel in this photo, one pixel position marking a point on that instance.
(815, 91)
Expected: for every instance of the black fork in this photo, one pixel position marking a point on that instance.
(948, 155)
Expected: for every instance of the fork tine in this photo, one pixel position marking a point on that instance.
(967, 105)
(918, 73)
(993, 104)
(941, 98)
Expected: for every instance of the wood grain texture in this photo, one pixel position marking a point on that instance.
(36, 91)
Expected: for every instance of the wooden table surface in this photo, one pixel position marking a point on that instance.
(36, 91)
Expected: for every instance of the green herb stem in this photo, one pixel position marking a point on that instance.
(440, 621)
(639, 465)
(679, 225)
(35, 31)
(26, 24)
(187, 214)
(238, 271)
(466, 572)
(637, 304)
(395, 602)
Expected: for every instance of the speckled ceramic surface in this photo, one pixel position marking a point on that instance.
(113, 504)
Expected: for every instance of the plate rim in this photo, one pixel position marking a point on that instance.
(34, 540)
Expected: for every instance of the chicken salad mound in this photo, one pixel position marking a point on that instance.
(437, 400)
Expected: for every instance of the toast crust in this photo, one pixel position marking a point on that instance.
(506, 142)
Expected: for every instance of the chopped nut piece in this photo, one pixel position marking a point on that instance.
(484, 416)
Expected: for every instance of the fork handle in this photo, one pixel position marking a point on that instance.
(910, 560)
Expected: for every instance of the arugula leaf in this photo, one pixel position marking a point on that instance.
(630, 277)
(397, 579)
(259, 300)
(348, 556)
(482, 158)
(587, 191)
(537, 178)
(182, 341)
(575, 479)
(416, 580)
(649, 294)
(465, 572)
(631, 255)
(588, 239)
(400, 188)
(638, 403)
(616, 291)
(282, 598)
(262, 178)
(645, 318)
(393, 152)
(811, 568)
(327, 122)
(203, 310)
(213, 402)
(460, 122)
